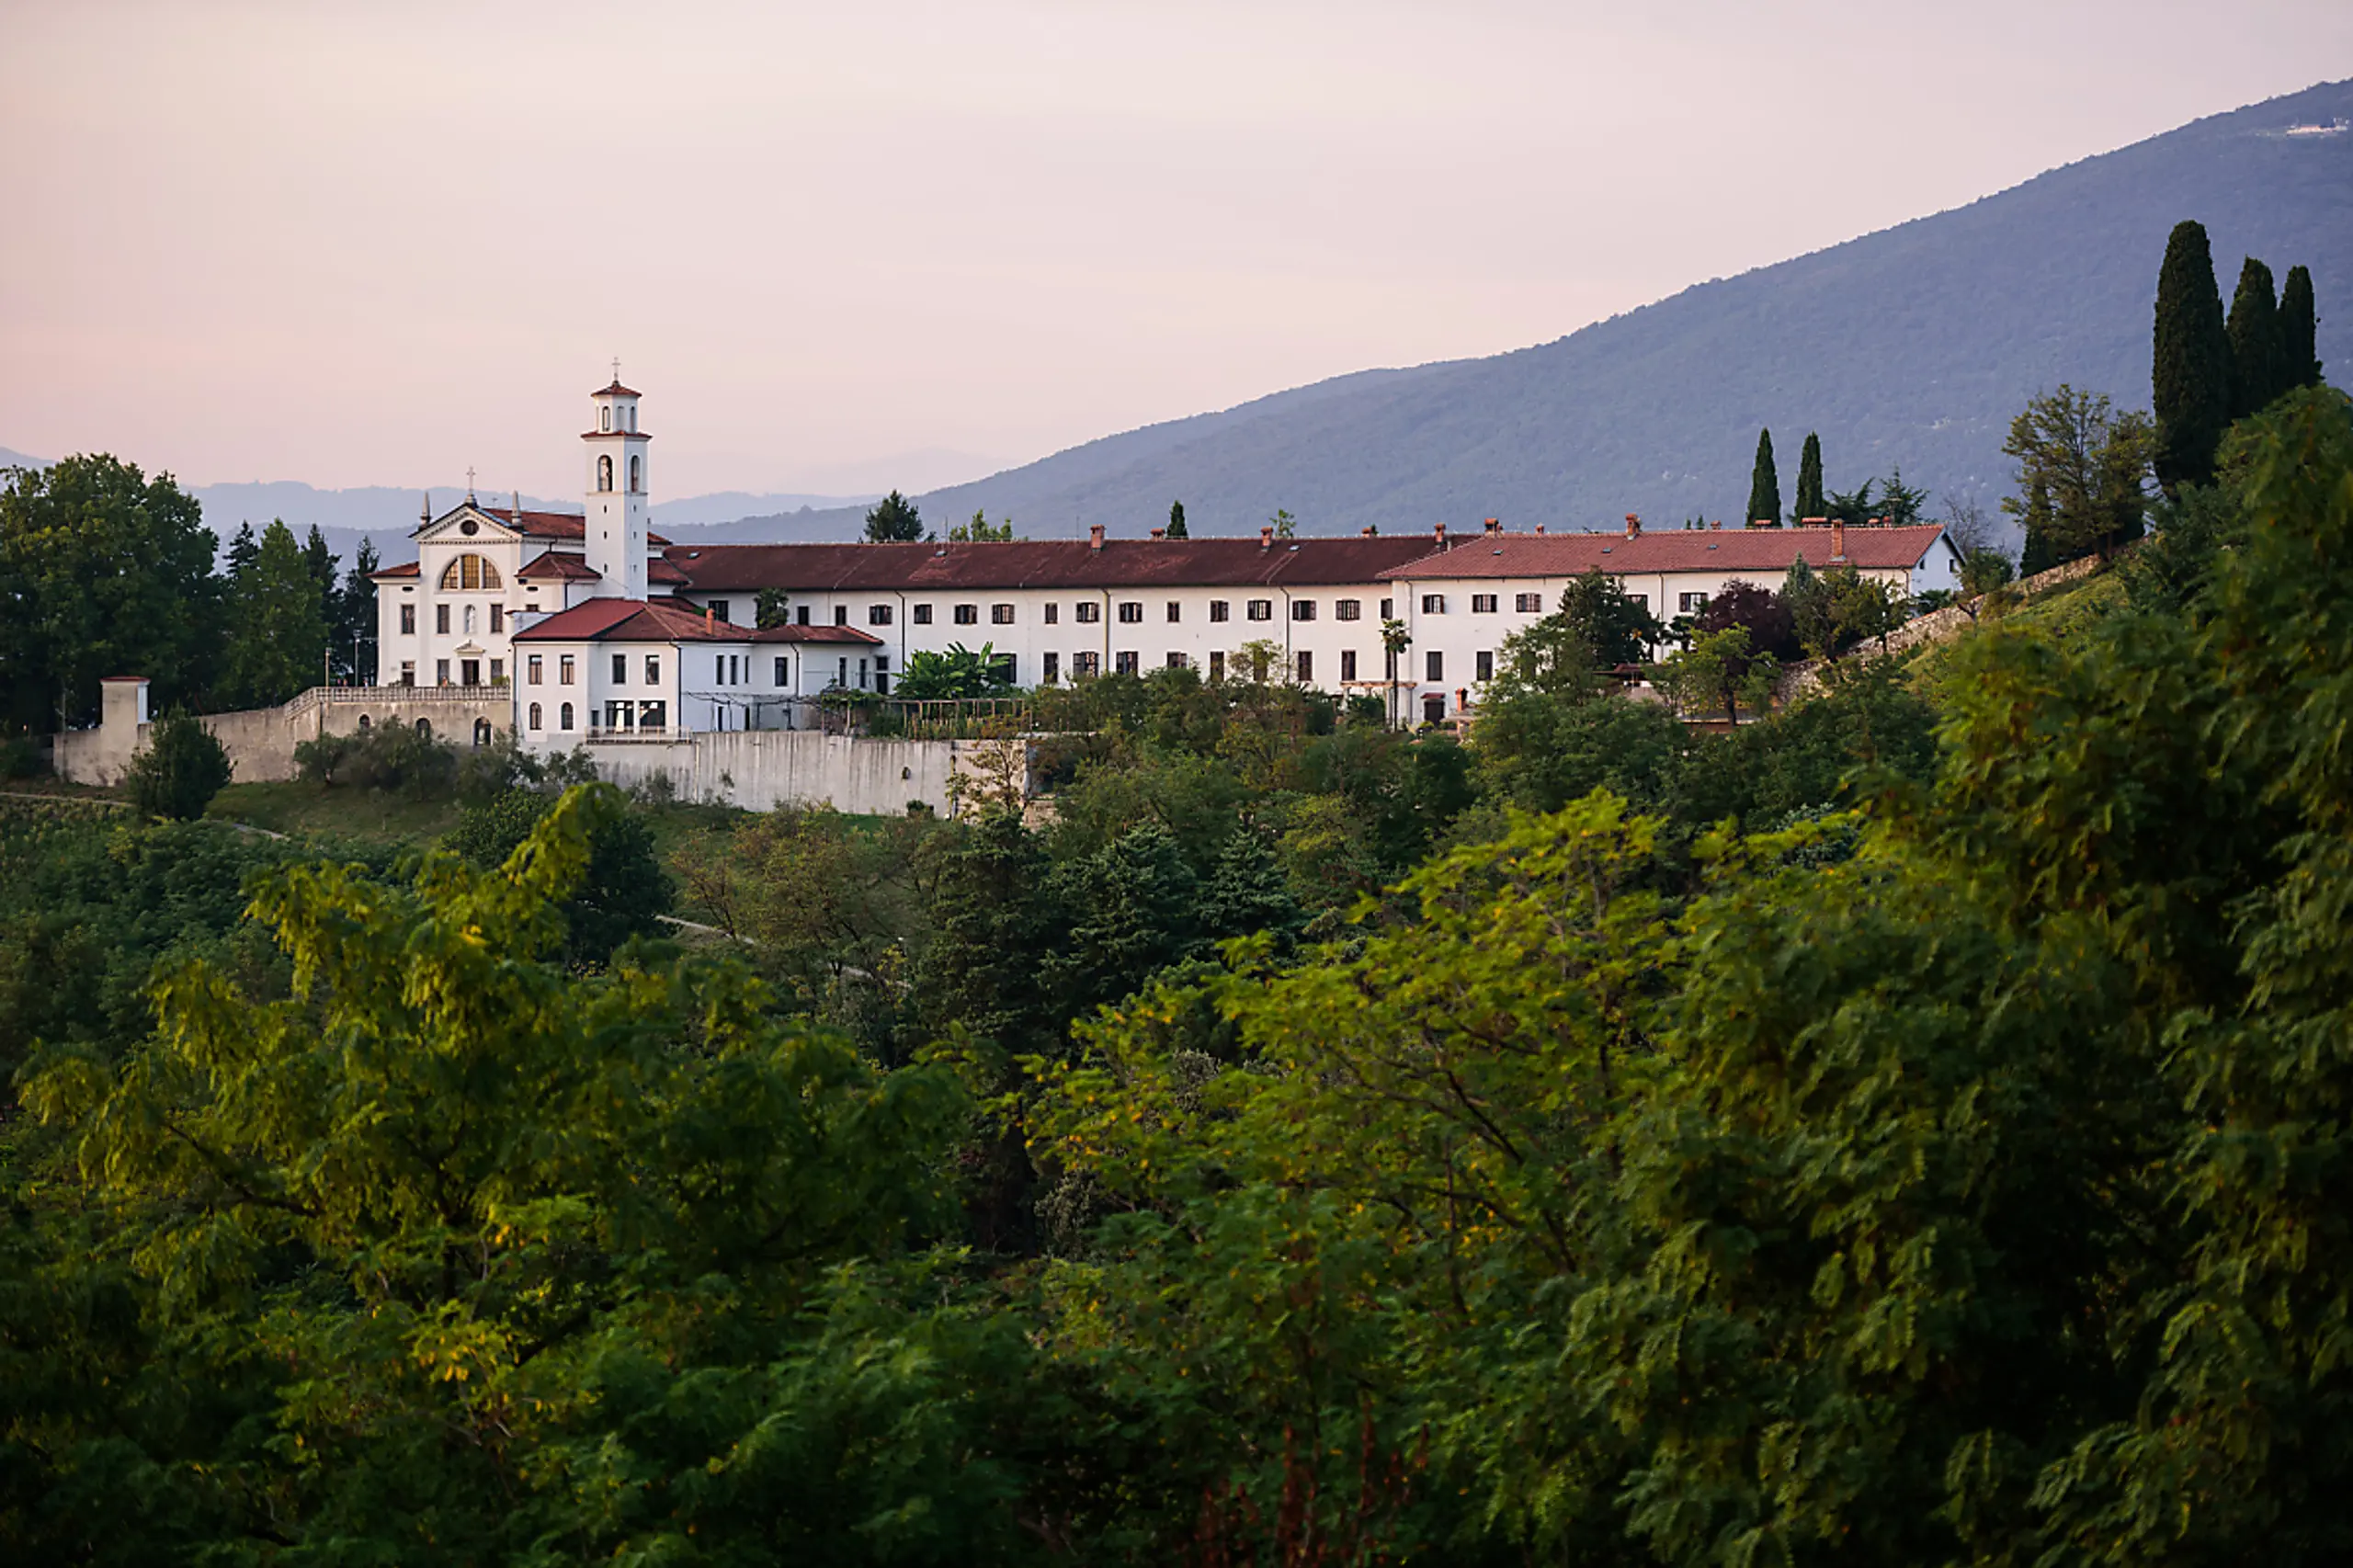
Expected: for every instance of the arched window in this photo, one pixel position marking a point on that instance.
(604, 474)
(481, 732)
(535, 717)
(636, 475)
(425, 728)
(363, 721)
(471, 570)
(563, 717)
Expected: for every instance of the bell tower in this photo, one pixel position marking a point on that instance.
(617, 492)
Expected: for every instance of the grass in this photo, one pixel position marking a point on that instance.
(2058, 614)
(312, 811)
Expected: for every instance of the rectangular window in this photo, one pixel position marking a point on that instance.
(801, 615)
(1528, 604)
(1303, 666)
(841, 615)
(1483, 603)
(1086, 612)
(1130, 612)
(1177, 660)
(534, 670)
(1347, 609)
(1435, 661)
(841, 671)
(653, 715)
(1007, 669)
(1086, 663)
(1050, 672)
(1125, 663)
(968, 615)
(1260, 609)
(1053, 614)
(1692, 604)
(1389, 609)
(1433, 604)
(499, 672)
(718, 670)
(780, 677)
(408, 621)
(652, 669)
(1217, 667)
(621, 669)
(441, 672)
(1347, 665)
(1221, 611)
(408, 672)
(861, 674)
(1176, 612)
(441, 619)
(1485, 663)
(923, 615)
(1303, 610)
(565, 671)
(878, 615)
(498, 618)
(1000, 615)
(469, 672)
(721, 611)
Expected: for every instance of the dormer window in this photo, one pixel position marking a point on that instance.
(604, 419)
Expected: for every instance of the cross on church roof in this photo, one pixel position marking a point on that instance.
(617, 369)
(470, 482)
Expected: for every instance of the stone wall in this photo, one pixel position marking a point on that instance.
(1801, 679)
(261, 741)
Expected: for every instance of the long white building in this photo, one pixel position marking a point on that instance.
(600, 628)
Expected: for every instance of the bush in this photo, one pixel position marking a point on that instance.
(20, 758)
(182, 768)
(388, 758)
(625, 888)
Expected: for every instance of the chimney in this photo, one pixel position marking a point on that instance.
(1266, 536)
(1717, 525)
(1634, 525)
(1838, 540)
(1094, 536)
(1160, 533)
(1368, 531)
(1539, 531)
(710, 629)
(1439, 534)
(1761, 523)
(1816, 522)
(1495, 525)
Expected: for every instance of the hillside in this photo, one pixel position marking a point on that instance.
(1912, 345)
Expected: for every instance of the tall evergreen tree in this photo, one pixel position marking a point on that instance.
(2189, 372)
(242, 550)
(2299, 331)
(1176, 520)
(893, 520)
(2254, 341)
(353, 626)
(1811, 503)
(276, 634)
(1764, 485)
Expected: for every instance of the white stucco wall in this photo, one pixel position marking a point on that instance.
(765, 769)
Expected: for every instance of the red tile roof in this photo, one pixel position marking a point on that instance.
(548, 525)
(1762, 551)
(659, 570)
(406, 569)
(615, 390)
(1045, 563)
(637, 620)
(564, 568)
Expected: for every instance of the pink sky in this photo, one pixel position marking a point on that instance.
(360, 244)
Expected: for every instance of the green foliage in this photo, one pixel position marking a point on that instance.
(1540, 751)
(2258, 371)
(1176, 529)
(1283, 523)
(773, 607)
(893, 520)
(276, 626)
(2299, 332)
(182, 768)
(955, 671)
(1759, 612)
(2191, 367)
(351, 621)
(1982, 570)
(1718, 673)
(1764, 485)
(622, 894)
(980, 530)
(2083, 471)
(104, 572)
(1810, 503)
(386, 758)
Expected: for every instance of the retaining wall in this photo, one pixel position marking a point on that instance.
(261, 741)
(763, 769)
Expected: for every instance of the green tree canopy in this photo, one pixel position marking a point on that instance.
(1176, 520)
(2256, 352)
(1811, 500)
(2299, 331)
(893, 520)
(2191, 366)
(103, 571)
(182, 768)
(1764, 485)
(2081, 475)
(277, 633)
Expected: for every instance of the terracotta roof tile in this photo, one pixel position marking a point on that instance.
(1763, 550)
(637, 620)
(1045, 563)
(406, 569)
(564, 568)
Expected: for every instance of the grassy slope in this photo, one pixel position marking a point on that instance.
(2059, 615)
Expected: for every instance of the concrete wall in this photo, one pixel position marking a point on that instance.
(261, 741)
(763, 769)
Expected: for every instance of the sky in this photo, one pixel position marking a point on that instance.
(845, 248)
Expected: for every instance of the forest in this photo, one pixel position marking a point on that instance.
(1909, 1128)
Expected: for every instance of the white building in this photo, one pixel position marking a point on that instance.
(449, 617)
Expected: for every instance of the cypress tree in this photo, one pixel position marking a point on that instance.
(2299, 332)
(243, 549)
(1176, 520)
(1764, 485)
(2254, 341)
(1811, 502)
(2189, 374)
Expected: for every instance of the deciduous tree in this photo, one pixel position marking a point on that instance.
(2083, 475)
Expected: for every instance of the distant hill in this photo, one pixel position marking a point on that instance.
(1914, 345)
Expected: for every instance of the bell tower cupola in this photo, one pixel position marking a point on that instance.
(617, 492)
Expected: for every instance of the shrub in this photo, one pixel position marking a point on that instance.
(388, 758)
(182, 768)
(20, 758)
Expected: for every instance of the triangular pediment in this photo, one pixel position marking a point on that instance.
(450, 527)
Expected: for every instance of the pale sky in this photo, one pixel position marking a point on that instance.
(360, 244)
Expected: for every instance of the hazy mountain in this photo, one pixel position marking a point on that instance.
(1914, 345)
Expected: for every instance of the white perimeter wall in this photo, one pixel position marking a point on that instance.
(763, 769)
